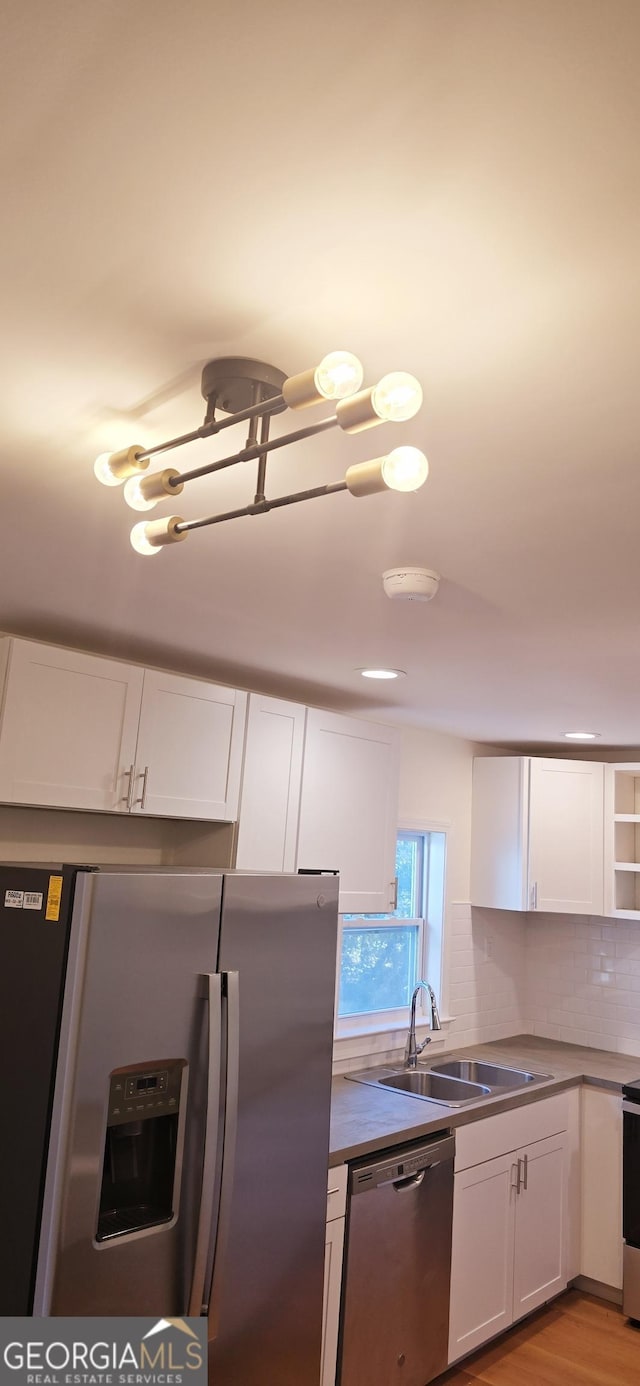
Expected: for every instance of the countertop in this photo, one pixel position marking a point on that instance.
(364, 1118)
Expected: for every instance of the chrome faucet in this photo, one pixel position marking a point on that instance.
(412, 1049)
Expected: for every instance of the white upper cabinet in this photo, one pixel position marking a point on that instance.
(68, 728)
(189, 751)
(538, 834)
(81, 732)
(622, 841)
(349, 808)
(271, 778)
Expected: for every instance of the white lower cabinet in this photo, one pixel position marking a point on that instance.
(481, 1255)
(510, 1235)
(539, 1234)
(334, 1249)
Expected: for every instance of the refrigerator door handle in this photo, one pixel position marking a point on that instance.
(232, 987)
(213, 993)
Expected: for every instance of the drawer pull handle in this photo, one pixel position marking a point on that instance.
(330, 1192)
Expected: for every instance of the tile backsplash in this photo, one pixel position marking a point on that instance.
(486, 970)
(583, 980)
(564, 977)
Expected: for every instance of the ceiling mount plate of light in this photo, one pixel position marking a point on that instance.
(252, 391)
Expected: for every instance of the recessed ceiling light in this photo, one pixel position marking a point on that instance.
(581, 736)
(382, 673)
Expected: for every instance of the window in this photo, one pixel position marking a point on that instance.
(383, 955)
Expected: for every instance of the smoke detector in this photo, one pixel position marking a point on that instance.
(412, 584)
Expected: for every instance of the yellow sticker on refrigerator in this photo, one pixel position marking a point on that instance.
(54, 896)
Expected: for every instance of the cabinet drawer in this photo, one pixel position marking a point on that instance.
(495, 1135)
(337, 1192)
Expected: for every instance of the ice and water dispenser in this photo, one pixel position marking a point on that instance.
(141, 1148)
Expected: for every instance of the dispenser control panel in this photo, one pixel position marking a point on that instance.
(147, 1092)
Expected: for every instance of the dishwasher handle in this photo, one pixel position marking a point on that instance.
(413, 1182)
(403, 1168)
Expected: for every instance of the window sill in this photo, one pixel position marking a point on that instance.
(363, 1038)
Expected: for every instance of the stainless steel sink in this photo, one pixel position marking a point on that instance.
(493, 1075)
(452, 1082)
(453, 1091)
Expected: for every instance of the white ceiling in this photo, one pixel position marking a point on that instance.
(449, 187)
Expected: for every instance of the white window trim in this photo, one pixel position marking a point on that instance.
(354, 1036)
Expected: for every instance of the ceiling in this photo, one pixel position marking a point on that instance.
(449, 187)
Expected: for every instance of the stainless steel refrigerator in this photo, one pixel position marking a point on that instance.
(166, 1043)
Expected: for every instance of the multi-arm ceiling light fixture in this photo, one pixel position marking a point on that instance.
(252, 391)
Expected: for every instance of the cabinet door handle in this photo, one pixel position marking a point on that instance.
(393, 903)
(144, 777)
(525, 1171)
(533, 896)
(126, 798)
(515, 1170)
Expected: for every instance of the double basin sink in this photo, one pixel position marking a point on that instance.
(453, 1082)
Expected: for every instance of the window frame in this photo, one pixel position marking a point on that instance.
(430, 947)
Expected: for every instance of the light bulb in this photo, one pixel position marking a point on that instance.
(143, 492)
(405, 469)
(112, 468)
(103, 471)
(581, 736)
(140, 540)
(135, 496)
(151, 535)
(397, 397)
(338, 375)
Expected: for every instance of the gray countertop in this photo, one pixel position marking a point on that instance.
(364, 1118)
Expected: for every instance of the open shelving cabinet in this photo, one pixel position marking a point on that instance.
(622, 841)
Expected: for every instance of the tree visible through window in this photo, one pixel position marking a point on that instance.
(383, 955)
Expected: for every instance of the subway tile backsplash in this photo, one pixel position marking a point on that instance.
(583, 980)
(486, 968)
(564, 977)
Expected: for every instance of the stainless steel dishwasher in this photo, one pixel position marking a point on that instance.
(395, 1308)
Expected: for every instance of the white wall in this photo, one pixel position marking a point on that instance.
(484, 954)
(435, 789)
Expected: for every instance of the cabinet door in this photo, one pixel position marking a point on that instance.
(499, 828)
(482, 1254)
(334, 1247)
(539, 1261)
(349, 807)
(566, 836)
(68, 731)
(270, 795)
(189, 748)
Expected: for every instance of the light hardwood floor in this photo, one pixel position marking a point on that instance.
(576, 1341)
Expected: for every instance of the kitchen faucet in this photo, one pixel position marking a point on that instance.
(411, 1049)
